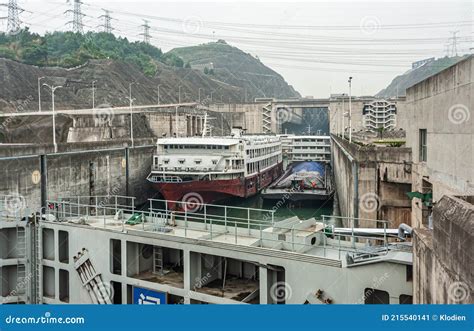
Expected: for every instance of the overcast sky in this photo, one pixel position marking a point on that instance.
(315, 45)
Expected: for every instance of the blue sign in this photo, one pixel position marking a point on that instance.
(143, 296)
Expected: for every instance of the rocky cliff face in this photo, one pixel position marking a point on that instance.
(19, 85)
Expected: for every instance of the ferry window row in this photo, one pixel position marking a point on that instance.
(313, 147)
(308, 155)
(216, 147)
(260, 165)
(311, 140)
(262, 151)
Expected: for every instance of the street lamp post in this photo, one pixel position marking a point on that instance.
(350, 109)
(343, 115)
(93, 94)
(53, 89)
(39, 93)
(131, 100)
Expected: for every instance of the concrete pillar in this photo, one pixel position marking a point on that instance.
(124, 291)
(189, 129)
(194, 125)
(199, 125)
(123, 259)
(56, 284)
(263, 285)
(187, 270)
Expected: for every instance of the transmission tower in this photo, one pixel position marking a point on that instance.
(13, 17)
(107, 25)
(454, 43)
(146, 32)
(446, 49)
(77, 25)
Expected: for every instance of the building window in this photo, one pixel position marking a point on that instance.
(423, 145)
(405, 299)
(373, 296)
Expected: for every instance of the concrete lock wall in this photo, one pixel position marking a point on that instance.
(77, 170)
(247, 115)
(443, 105)
(372, 182)
(442, 260)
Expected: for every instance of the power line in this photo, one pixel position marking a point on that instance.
(107, 25)
(13, 17)
(146, 32)
(77, 25)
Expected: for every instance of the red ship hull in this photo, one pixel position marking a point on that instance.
(214, 190)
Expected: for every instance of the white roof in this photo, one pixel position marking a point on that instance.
(310, 137)
(199, 141)
(222, 141)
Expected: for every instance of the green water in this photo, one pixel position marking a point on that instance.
(304, 210)
(253, 218)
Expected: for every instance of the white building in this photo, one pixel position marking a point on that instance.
(379, 114)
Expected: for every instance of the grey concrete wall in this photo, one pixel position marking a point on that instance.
(247, 115)
(443, 259)
(77, 169)
(337, 108)
(372, 181)
(444, 106)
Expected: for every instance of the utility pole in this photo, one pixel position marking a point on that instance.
(53, 89)
(131, 100)
(350, 109)
(146, 32)
(13, 18)
(77, 25)
(107, 25)
(93, 94)
(179, 94)
(159, 93)
(343, 115)
(39, 93)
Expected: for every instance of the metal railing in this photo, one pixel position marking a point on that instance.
(209, 213)
(211, 221)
